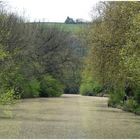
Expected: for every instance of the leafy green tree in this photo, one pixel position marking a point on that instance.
(114, 49)
(50, 87)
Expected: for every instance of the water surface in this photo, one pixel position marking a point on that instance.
(69, 116)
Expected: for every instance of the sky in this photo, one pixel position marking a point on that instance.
(52, 10)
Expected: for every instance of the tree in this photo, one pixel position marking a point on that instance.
(29, 51)
(114, 47)
(69, 21)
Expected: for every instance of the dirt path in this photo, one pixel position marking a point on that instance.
(70, 116)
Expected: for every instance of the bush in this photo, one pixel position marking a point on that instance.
(30, 89)
(8, 97)
(137, 111)
(50, 87)
(130, 105)
(137, 95)
(116, 98)
(86, 89)
(90, 88)
(26, 87)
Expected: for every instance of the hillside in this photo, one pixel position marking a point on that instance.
(75, 28)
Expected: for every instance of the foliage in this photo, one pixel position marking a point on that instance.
(116, 98)
(114, 42)
(90, 85)
(130, 105)
(137, 95)
(8, 97)
(50, 87)
(30, 50)
(30, 88)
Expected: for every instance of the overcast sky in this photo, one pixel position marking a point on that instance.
(53, 10)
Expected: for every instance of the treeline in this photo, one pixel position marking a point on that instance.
(113, 61)
(77, 21)
(36, 60)
(45, 61)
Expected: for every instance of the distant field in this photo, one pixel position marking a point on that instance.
(67, 27)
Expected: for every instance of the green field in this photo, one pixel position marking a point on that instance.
(75, 28)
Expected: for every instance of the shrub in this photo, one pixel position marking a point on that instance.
(90, 88)
(115, 98)
(137, 95)
(130, 105)
(50, 87)
(86, 89)
(137, 111)
(30, 89)
(8, 97)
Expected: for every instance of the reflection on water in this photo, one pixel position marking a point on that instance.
(6, 111)
(70, 116)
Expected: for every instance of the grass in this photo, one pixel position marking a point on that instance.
(69, 116)
(73, 28)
